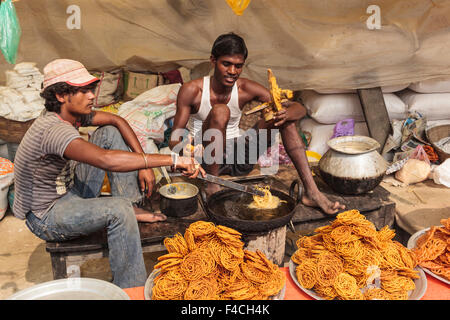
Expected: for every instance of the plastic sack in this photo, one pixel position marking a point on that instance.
(416, 168)
(10, 31)
(420, 154)
(413, 171)
(344, 127)
(441, 174)
(147, 113)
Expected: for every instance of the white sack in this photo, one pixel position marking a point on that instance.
(332, 108)
(321, 133)
(434, 106)
(385, 89)
(440, 85)
(441, 174)
(148, 111)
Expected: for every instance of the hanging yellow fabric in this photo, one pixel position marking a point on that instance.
(238, 6)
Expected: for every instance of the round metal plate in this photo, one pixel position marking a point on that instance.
(72, 289)
(416, 294)
(412, 244)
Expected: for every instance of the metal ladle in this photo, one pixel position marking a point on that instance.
(171, 189)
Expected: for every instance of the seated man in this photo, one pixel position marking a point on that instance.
(59, 175)
(215, 104)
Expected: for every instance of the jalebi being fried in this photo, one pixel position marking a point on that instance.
(268, 201)
(345, 259)
(209, 262)
(432, 249)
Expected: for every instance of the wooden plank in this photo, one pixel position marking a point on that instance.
(375, 113)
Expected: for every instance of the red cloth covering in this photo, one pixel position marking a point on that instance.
(174, 76)
(436, 290)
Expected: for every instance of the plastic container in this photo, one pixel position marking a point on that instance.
(6, 179)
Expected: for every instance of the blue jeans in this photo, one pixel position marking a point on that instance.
(81, 212)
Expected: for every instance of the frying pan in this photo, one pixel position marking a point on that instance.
(211, 205)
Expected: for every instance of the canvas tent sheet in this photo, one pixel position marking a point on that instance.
(308, 44)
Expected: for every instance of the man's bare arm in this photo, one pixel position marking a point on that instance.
(185, 99)
(105, 118)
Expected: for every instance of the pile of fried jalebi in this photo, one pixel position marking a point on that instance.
(209, 263)
(433, 250)
(349, 255)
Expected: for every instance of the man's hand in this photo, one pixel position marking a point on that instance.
(281, 117)
(146, 181)
(292, 111)
(189, 167)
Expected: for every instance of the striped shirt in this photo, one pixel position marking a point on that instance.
(42, 174)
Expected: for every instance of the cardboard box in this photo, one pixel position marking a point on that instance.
(138, 82)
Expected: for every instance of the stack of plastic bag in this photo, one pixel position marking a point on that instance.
(20, 100)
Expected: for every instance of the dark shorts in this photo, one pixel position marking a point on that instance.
(242, 153)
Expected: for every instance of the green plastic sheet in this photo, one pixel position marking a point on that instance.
(9, 31)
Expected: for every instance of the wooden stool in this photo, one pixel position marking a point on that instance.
(271, 243)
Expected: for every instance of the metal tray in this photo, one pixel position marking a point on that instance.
(72, 289)
(412, 244)
(416, 294)
(149, 285)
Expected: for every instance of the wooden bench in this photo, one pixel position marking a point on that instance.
(68, 256)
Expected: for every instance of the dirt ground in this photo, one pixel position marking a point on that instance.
(24, 261)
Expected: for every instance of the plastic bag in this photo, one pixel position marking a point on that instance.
(413, 171)
(238, 6)
(10, 31)
(416, 168)
(420, 154)
(344, 127)
(441, 174)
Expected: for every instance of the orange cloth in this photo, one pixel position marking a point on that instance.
(436, 290)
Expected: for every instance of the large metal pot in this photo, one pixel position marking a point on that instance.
(181, 203)
(223, 208)
(352, 165)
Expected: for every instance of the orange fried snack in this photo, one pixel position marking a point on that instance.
(343, 258)
(432, 250)
(209, 262)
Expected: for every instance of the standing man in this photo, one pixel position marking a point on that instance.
(59, 175)
(215, 103)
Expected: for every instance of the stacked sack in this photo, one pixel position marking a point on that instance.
(431, 98)
(327, 108)
(20, 99)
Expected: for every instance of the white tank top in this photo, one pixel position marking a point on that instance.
(195, 122)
